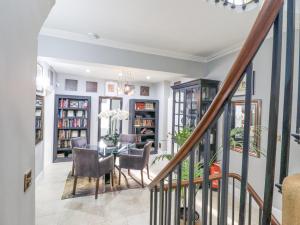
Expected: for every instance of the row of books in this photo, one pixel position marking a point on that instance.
(72, 123)
(38, 103)
(38, 123)
(144, 106)
(144, 122)
(72, 113)
(68, 134)
(64, 144)
(76, 104)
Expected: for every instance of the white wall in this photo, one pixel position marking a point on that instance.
(157, 92)
(43, 150)
(262, 65)
(20, 22)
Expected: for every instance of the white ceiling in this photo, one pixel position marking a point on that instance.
(191, 27)
(107, 72)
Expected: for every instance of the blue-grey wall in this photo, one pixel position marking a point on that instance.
(91, 53)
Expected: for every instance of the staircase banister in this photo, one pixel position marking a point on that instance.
(236, 176)
(259, 31)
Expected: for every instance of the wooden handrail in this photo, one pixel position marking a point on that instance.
(250, 189)
(259, 31)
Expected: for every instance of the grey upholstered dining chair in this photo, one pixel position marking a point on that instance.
(87, 164)
(136, 159)
(78, 142)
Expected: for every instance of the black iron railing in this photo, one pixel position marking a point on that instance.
(175, 200)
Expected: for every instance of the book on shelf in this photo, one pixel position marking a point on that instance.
(149, 106)
(64, 144)
(38, 123)
(75, 133)
(72, 123)
(38, 112)
(83, 133)
(38, 103)
(80, 113)
(144, 122)
(70, 113)
(76, 104)
(144, 106)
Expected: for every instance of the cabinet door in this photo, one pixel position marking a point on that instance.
(192, 108)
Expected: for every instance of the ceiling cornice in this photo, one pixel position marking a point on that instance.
(147, 50)
(114, 44)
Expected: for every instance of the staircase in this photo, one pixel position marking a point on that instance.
(173, 200)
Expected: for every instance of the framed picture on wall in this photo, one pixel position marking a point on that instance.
(71, 85)
(241, 91)
(237, 129)
(111, 88)
(144, 90)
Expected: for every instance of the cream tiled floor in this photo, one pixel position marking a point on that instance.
(130, 207)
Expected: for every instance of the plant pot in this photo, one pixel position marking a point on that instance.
(186, 210)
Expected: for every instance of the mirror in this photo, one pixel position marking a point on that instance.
(105, 104)
(237, 131)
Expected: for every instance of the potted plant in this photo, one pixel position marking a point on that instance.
(179, 138)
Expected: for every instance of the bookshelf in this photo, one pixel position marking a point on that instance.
(39, 118)
(143, 121)
(71, 119)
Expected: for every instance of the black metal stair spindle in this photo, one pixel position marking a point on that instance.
(161, 202)
(169, 204)
(273, 120)
(225, 164)
(246, 145)
(165, 207)
(288, 91)
(250, 209)
(233, 201)
(178, 196)
(191, 210)
(210, 203)
(205, 176)
(151, 207)
(155, 206)
(219, 201)
(184, 205)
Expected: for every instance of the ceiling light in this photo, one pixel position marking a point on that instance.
(93, 35)
(87, 70)
(148, 77)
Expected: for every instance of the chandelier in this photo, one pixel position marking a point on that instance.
(239, 4)
(125, 85)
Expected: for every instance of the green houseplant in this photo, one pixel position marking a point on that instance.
(179, 138)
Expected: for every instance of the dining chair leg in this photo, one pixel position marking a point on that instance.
(128, 171)
(90, 179)
(142, 178)
(119, 176)
(97, 188)
(74, 185)
(148, 171)
(73, 168)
